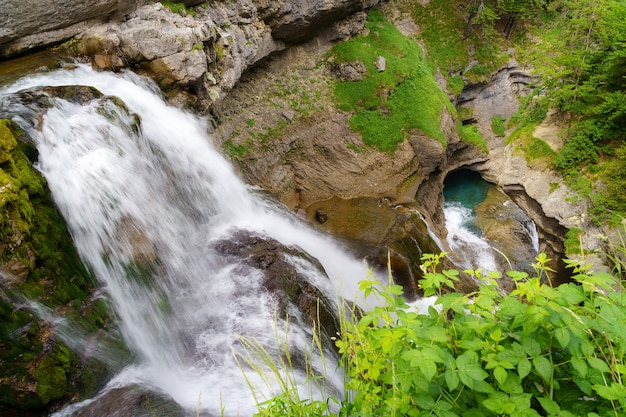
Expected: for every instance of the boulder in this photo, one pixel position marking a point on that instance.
(130, 401)
(283, 280)
(25, 24)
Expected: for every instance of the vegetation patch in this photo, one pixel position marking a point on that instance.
(537, 152)
(572, 241)
(178, 8)
(442, 27)
(233, 150)
(471, 134)
(536, 351)
(497, 126)
(388, 103)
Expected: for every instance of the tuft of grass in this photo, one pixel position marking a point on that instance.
(178, 8)
(388, 104)
(278, 372)
(572, 241)
(471, 134)
(455, 85)
(535, 150)
(235, 151)
(497, 126)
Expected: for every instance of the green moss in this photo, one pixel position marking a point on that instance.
(535, 150)
(34, 234)
(471, 134)
(497, 125)
(50, 374)
(388, 104)
(178, 8)
(233, 150)
(455, 84)
(441, 29)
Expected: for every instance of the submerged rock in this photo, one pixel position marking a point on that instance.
(283, 279)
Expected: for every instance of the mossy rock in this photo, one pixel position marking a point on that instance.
(40, 264)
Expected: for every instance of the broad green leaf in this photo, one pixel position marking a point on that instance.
(549, 405)
(562, 335)
(598, 364)
(524, 367)
(424, 401)
(513, 384)
(431, 354)
(450, 300)
(543, 367)
(572, 293)
(580, 365)
(435, 334)
(494, 404)
(531, 346)
(613, 392)
(473, 344)
(482, 386)
(452, 379)
(445, 413)
(428, 368)
(500, 374)
(517, 276)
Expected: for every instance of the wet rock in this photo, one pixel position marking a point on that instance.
(321, 216)
(131, 401)
(282, 279)
(25, 24)
(384, 235)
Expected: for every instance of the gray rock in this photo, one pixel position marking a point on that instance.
(25, 24)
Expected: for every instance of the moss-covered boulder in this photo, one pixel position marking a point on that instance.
(45, 294)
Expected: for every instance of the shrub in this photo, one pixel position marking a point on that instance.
(537, 351)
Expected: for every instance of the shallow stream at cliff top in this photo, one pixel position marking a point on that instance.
(486, 230)
(147, 204)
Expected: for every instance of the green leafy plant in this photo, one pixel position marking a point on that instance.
(471, 134)
(537, 351)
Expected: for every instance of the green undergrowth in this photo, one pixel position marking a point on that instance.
(536, 351)
(441, 29)
(579, 54)
(471, 134)
(388, 104)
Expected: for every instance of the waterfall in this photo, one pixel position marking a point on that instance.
(470, 250)
(155, 196)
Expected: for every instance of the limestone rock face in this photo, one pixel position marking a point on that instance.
(204, 52)
(25, 24)
(295, 21)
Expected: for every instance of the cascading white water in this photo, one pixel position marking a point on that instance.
(463, 240)
(161, 193)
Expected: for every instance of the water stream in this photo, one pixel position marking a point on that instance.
(157, 193)
(464, 192)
